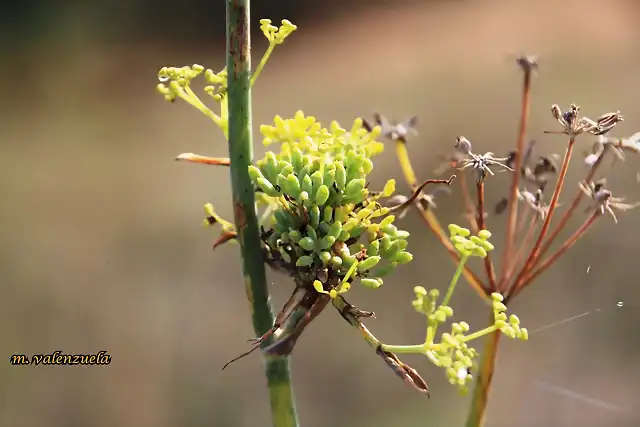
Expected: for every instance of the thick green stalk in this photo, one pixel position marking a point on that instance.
(480, 397)
(283, 411)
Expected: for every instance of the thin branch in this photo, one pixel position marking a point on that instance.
(520, 254)
(488, 264)
(468, 203)
(553, 258)
(574, 204)
(533, 256)
(513, 194)
(205, 160)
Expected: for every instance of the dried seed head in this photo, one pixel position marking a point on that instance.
(604, 202)
(393, 131)
(574, 125)
(463, 145)
(528, 63)
(480, 163)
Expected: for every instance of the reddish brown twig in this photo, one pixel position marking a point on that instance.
(553, 258)
(531, 259)
(513, 194)
(488, 265)
(204, 160)
(518, 258)
(567, 215)
(468, 204)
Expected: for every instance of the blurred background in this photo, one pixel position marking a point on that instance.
(101, 240)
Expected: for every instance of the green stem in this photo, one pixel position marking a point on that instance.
(262, 62)
(479, 333)
(283, 411)
(480, 397)
(454, 280)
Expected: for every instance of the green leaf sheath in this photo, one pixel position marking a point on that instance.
(241, 155)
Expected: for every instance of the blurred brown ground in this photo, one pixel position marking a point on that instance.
(102, 249)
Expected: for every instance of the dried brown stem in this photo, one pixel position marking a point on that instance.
(488, 265)
(553, 258)
(513, 194)
(204, 160)
(521, 251)
(468, 203)
(567, 215)
(529, 264)
(418, 190)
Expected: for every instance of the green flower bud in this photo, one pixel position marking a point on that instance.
(514, 320)
(322, 195)
(479, 252)
(386, 222)
(336, 261)
(314, 216)
(303, 198)
(329, 177)
(326, 242)
(354, 187)
(350, 224)
(311, 232)
(368, 263)
(371, 283)
(500, 324)
(440, 316)
(373, 248)
(325, 257)
(420, 291)
(402, 257)
(327, 214)
(341, 176)
(335, 229)
(484, 234)
(448, 311)
(307, 243)
(456, 230)
(254, 174)
(389, 188)
(497, 297)
(307, 184)
(290, 185)
(499, 307)
(295, 236)
(344, 236)
(317, 179)
(296, 158)
(367, 166)
(285, 256)
(267, 187)
(524, 334)
(402, 234)
(304, 261)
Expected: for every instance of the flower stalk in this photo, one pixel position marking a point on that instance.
(277, 371)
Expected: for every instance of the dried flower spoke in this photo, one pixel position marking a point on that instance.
(479, 163)
(604, 202)
(573, 124)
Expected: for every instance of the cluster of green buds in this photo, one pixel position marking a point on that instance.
(452, 351)
(324, 223)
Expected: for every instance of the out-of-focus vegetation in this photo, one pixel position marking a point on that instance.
(102, 247)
